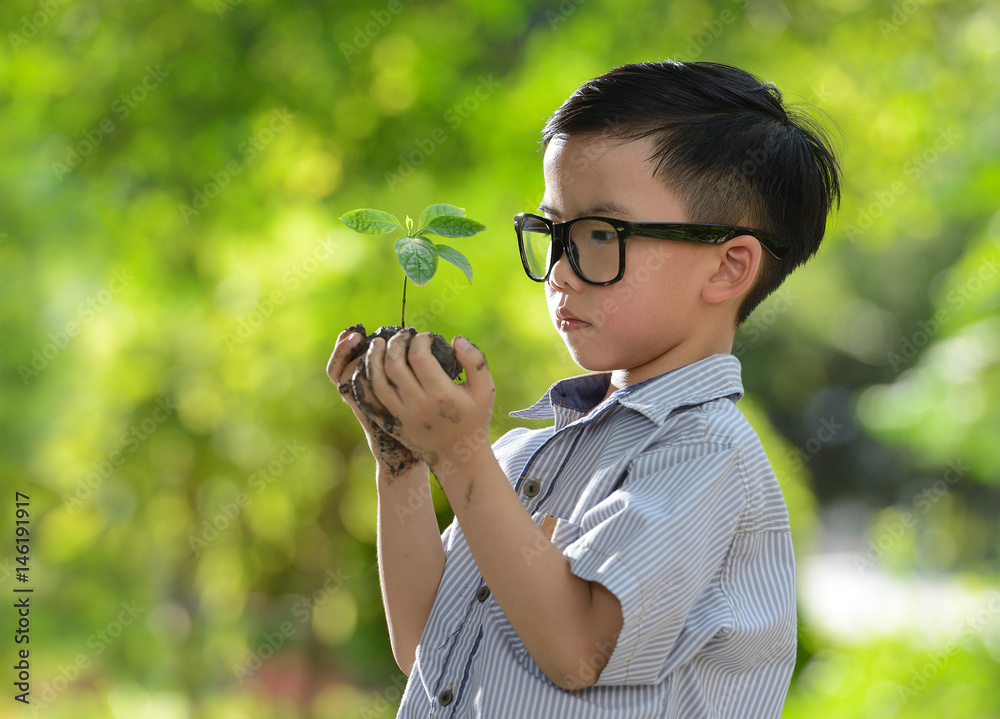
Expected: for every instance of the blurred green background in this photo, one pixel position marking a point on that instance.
(174, 276)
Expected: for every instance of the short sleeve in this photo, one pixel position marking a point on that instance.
(448, 536)
(659, 544)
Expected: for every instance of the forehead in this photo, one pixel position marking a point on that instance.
(580, 153)
(584, 173)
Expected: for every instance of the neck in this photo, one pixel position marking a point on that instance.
(675, 358)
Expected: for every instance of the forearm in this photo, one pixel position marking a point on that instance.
(410, 557)
(559, 616)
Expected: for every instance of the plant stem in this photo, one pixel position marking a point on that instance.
(402, 320)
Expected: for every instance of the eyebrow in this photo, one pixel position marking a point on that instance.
(601, 208)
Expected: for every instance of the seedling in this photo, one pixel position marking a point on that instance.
(417, 253)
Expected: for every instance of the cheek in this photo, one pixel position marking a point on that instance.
(648, 297)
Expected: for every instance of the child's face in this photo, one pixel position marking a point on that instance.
(647, 323)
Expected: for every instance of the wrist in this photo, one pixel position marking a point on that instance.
(405, 498)
(456, 472)
(390, 479)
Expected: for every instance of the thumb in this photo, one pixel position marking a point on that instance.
(477, 371)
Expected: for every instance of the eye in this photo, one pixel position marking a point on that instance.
(603, 237)
(594, 233)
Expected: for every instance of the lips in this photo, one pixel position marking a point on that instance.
(566, 321)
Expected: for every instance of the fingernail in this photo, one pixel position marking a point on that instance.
(353, 339)
(462, 342)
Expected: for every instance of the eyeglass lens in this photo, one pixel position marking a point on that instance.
(593, 245)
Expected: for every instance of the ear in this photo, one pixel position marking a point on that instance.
(738, 262)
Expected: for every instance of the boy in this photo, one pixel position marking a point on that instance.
(635, 559)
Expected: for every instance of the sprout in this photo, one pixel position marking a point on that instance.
(417, 253)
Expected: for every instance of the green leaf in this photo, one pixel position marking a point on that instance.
(409, 227)
(450, 226)
(418, 257)
(456, 258)
(432, 212)
(370, 222)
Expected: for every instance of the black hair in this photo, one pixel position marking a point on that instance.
(725, 144)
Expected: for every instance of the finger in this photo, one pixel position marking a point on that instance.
(375, 371)
(366, 404)
(378, 422)
(395, 364)
(477, 371)
(337, 368)
(424, 365)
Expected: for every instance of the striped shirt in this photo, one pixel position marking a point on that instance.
(662, 493)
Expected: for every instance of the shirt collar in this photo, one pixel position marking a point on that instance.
(573, 398)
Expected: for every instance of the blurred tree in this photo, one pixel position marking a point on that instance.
(174, 277)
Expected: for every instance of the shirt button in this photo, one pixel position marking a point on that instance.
(445, 697)
(483, 593)
(531, 488)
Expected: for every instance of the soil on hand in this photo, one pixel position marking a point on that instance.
(440, 348)
(397, 457)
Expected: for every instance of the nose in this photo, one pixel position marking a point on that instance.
(562, 276)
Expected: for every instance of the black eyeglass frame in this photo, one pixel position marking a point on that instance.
(674, 231)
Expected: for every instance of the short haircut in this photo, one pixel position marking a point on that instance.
(725, 144)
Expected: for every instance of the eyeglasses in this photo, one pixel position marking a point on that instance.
(595, 246)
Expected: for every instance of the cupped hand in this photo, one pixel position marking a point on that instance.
(347, 370)
(444, 423)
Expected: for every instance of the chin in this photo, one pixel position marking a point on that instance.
(588, 360)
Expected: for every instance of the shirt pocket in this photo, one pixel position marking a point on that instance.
(565, 533)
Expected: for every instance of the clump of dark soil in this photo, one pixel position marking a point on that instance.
(397, 457)
(440, 348)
